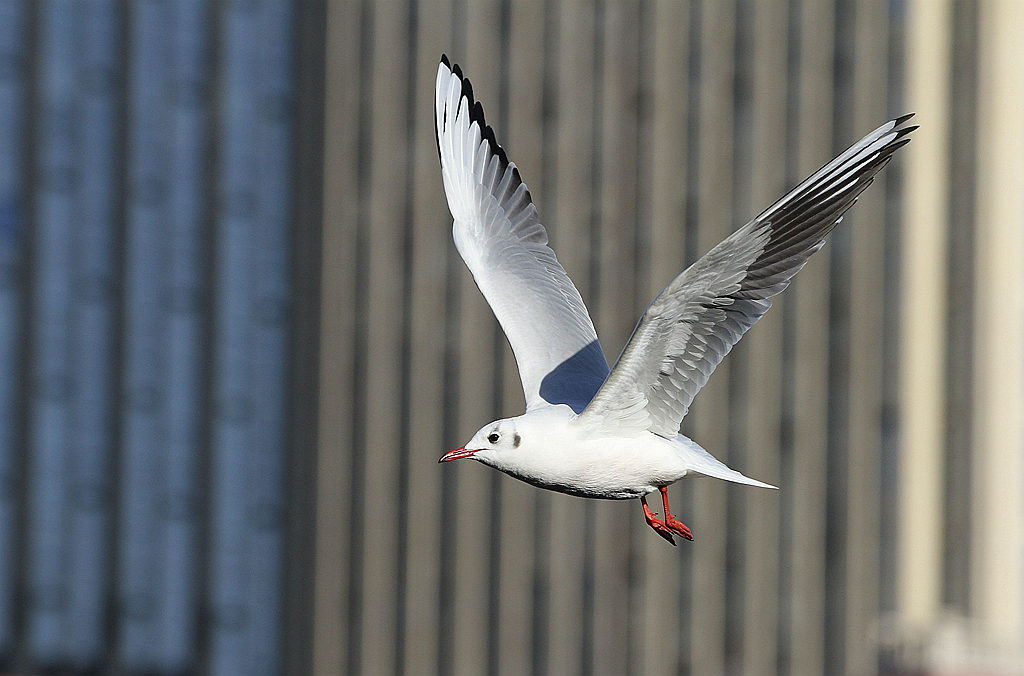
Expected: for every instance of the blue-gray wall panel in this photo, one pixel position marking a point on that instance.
(13, 90)
(95, 270)
(145, 246)
(56, 208)
(269, 310)
(232, 432)
(188, 176)
(145, 384)
(143, 458)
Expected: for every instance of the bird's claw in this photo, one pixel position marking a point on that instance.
(679, 528)
(659, 526)
(662, 530)
(668, 527)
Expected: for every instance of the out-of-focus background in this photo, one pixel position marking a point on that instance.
(236, 337)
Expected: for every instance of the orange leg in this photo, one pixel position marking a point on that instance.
(657, 524)
(668, 526)
(672, 523)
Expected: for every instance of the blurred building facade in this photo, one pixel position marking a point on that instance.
(150, 210)
(237, 337)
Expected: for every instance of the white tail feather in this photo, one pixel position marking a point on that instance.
(705, 464)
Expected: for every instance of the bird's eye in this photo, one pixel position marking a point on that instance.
(493, 438)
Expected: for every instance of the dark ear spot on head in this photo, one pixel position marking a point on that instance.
(516, 439)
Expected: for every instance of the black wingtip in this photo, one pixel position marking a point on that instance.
(896, 145)
(900, 133)
(476, 114)
(903, 118)
(488, 134)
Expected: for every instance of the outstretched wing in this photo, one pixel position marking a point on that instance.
(498, 234)
(695, 321)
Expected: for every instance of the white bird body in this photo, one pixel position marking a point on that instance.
(592, 431)
(559, 452)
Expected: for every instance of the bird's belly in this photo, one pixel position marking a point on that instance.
(608, 474)
(585, 489)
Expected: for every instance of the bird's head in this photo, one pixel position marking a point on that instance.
(492, 444)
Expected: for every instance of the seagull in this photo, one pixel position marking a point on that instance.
(588, 430)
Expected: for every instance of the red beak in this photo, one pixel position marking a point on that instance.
(458, 454)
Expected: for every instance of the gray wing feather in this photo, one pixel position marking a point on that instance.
(690, 327)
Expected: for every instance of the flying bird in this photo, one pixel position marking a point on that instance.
(588, 430)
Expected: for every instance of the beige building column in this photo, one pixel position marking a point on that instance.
(922, 357)
(998, 562)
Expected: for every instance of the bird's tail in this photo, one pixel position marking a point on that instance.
(705, 464)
